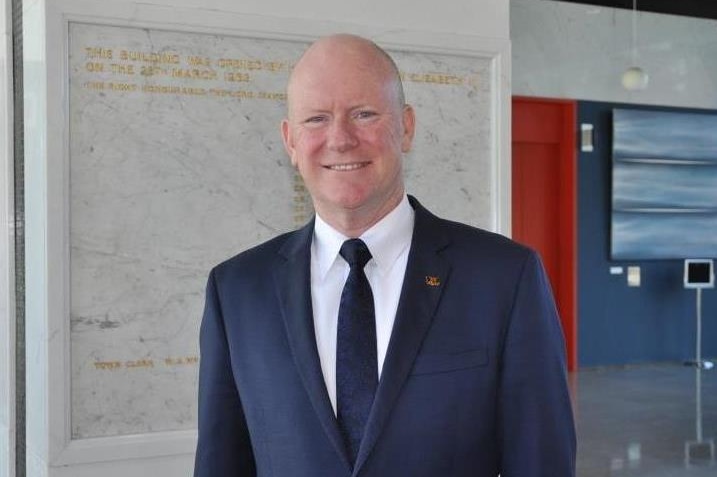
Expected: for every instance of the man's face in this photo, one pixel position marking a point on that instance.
(346, 130)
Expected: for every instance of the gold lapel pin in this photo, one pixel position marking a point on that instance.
(433, 281)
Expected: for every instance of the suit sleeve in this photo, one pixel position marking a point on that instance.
(536, 425)
(224, 447)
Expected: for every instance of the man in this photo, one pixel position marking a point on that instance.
(437, 352)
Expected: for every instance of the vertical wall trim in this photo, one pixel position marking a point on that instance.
(19, 223)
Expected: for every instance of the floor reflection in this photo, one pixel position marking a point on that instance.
(640, 421)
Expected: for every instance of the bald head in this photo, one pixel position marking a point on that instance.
(327, 54)
(347, 130)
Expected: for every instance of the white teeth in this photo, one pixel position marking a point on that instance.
(347, 167)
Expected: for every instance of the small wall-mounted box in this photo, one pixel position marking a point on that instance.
(586, 137)
(633, 276)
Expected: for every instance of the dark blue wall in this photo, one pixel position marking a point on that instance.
(618, 324)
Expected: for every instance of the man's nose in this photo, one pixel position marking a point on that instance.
(341, 135)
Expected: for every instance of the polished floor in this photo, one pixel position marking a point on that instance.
(641, 421)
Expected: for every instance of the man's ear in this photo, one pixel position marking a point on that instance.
(288, 140)
(409, 127)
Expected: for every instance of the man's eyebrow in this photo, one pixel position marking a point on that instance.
(310, 111)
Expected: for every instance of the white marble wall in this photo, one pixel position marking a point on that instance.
(170, 174)
(565, 50)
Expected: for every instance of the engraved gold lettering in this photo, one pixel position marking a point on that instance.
(199, 61)
(274, 96)
(187, 68)
(228, 63)
(122, 87)
(96, 85)
(194, 91)
(301, 208)
(147, 70)
(239, 64)
(119, 69)
(194, 73)
(239, 94)
(236, 77)
(109, 365)
(150, 88)
(139, 363)
(149, 57)
(145, 363)
(275, 66)
(181, 361)
(94, 67)
(98, 53)
(433, 78)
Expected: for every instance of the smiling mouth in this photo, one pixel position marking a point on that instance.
(347, 167)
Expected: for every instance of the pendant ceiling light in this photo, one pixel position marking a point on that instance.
(634, 78)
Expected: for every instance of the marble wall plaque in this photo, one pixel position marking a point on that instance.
(176, 163)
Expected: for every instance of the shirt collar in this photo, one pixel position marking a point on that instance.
(386, 239)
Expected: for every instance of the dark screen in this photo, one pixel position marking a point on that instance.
(698, 273)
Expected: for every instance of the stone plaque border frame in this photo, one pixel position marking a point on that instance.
(49, 371)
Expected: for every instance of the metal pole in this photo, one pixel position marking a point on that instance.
(698, 369)
(698, 415)
(699, 328)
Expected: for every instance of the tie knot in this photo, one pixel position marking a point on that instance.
(355, 252)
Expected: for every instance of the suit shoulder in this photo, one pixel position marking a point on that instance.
(491, 259)
(483, 241)
(469, 240)
(256, 257)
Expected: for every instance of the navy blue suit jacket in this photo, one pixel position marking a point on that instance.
(473, 384)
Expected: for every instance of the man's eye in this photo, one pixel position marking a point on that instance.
(315, 119)
(365, 114)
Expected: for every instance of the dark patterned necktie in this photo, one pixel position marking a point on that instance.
(356, 363)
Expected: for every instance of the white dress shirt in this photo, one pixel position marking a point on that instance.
(389, 241)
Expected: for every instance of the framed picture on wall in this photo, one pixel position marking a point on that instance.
(664, 185)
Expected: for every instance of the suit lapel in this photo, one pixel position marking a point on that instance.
(293, 283)
(426, 275)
